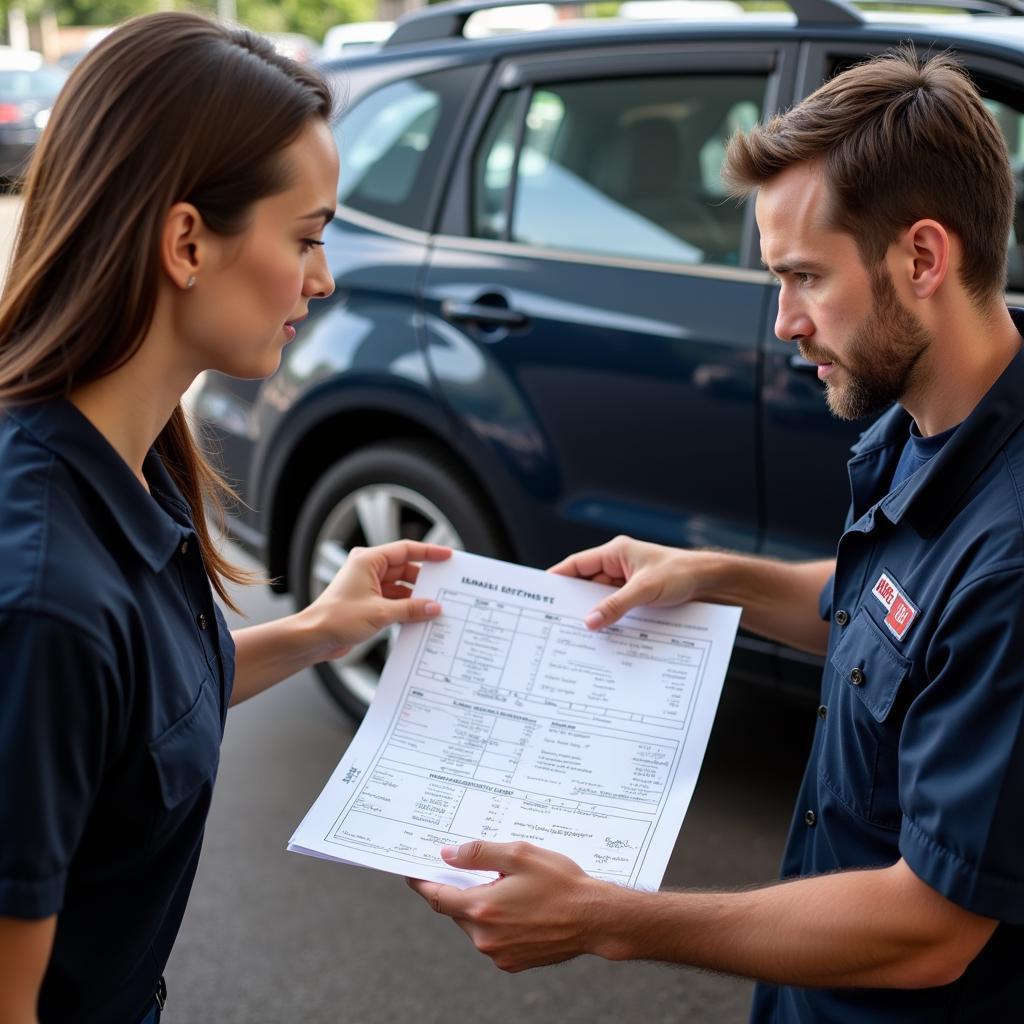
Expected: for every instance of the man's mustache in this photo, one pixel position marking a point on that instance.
(816, 355)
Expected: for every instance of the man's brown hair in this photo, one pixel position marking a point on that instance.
(899, 139)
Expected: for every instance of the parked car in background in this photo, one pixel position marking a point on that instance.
(355, 37)
(28, 89)
(551, 325)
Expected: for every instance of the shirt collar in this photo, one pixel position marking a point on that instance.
(930, 495)
(154, 524)
(889, 429)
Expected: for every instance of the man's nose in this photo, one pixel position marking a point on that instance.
(791, 322)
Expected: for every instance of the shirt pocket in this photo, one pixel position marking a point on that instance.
(186, 754)
(860, 755)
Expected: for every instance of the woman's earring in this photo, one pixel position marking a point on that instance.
(191, 281)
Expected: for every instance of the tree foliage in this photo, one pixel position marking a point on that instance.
(311, 17)
(89, 12)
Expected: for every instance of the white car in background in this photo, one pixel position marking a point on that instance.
(355, 36)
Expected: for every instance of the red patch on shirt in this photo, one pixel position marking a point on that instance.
(901, 612)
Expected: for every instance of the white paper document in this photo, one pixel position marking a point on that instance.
(507, 719)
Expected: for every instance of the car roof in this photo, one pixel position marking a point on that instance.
(991, 33)
(995, 35)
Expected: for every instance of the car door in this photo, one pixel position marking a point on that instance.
(592, 268)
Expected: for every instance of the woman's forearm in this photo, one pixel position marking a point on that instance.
(273, 651)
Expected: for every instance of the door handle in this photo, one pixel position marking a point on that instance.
(482, 313)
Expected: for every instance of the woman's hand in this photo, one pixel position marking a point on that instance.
(648, 574)
(370, 592)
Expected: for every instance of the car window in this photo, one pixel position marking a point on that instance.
(391, 144)
(625, 167)
(1010, 118)
(493, 171)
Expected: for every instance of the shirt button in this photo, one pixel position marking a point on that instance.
(822, 711)
(842, 617)
(810, 819)
(201, 619)
(856, 677)
(184, 547)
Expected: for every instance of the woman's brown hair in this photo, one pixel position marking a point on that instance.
(170, 107)
(899, 139)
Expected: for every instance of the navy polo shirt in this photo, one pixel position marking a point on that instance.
(919, 748)
(117, 669)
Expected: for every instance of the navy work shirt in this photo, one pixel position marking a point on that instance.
(116, 673)
(919, 749)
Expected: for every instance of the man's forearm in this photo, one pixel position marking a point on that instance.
(874, 928)
(779, 599)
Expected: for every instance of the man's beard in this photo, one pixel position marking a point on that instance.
(883, 355)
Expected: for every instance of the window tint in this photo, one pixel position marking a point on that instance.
(391, 144)
(493, 171)
(1011, 120)
(627, 167)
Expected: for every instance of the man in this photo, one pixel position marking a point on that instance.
(884, 202)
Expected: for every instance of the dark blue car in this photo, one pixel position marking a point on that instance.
(551, 325)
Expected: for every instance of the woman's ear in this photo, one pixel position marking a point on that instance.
(181, 244)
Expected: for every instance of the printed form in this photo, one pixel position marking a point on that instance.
(507, 719)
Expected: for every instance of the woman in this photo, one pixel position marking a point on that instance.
(172, 223)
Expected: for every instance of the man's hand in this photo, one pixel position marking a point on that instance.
(647, 574)
(779, 599)
(874, 928)
(370, 592)
(539, 912)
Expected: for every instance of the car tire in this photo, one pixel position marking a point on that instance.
(405, 489)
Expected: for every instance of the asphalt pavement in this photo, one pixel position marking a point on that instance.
(272, 937)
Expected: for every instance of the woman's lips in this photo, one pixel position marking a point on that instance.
(291, 326)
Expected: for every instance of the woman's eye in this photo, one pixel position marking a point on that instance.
(309, 243)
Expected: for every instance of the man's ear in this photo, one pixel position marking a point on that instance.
(923, 254)
(181, 249)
